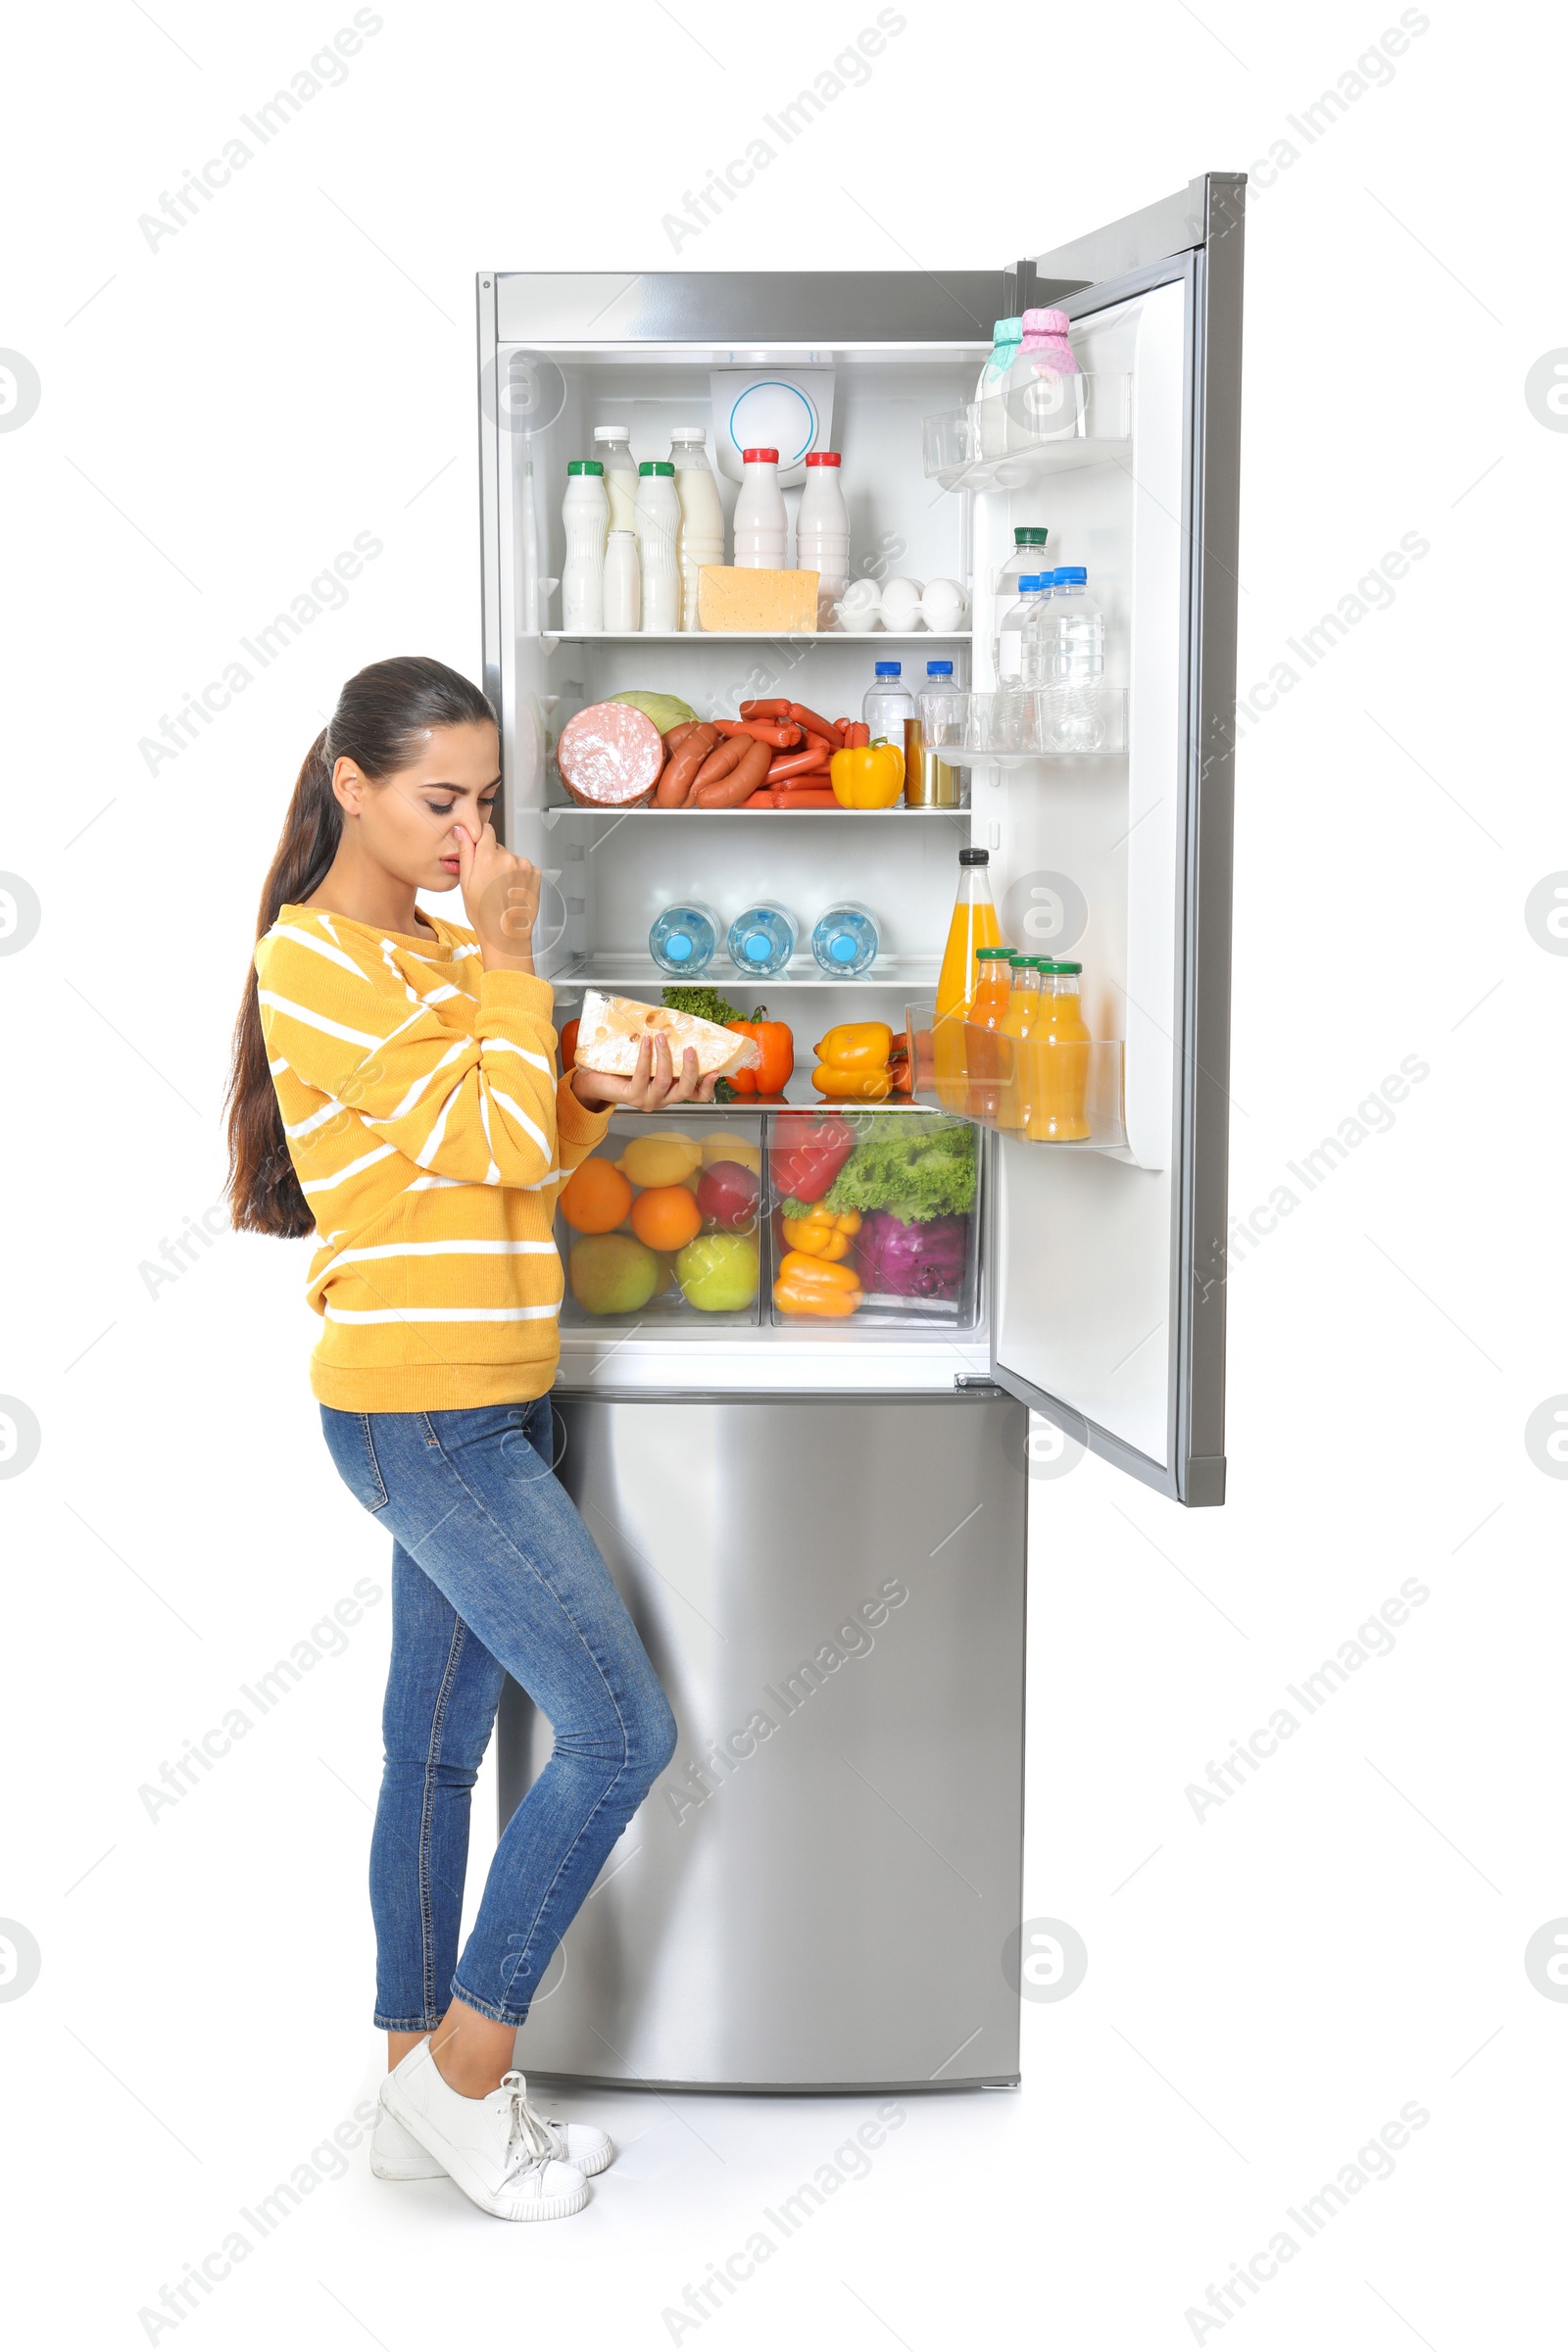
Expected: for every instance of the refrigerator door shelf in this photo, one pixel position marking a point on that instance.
(1016, 726)
(1005, 442)
(995, 1084)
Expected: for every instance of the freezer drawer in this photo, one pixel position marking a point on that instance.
(818, 1893)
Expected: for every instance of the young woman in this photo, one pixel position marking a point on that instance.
(394, 1087)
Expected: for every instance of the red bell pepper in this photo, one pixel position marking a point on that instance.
(777, 1040)
(804, 1165)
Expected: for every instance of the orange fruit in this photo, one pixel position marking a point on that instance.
(666, 1216)
(596, 1197)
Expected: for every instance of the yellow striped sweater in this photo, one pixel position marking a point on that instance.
(431, 1135)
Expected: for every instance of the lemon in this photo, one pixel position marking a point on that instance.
(659, 1159)
(732, 1147)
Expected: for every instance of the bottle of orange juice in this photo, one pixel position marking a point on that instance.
(974, 925)
(1013, 1105)
(992, 987)
(1056, 1059)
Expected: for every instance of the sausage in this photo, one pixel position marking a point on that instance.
(674, 735)
(757, 709)
(819, 725)
(733, 790)
(804, 800)
(819, 743)
(722, 761)
(858, 737)
(680, 769)
(798, 763)
(609, 757)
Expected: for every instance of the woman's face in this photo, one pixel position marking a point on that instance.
(405, 823)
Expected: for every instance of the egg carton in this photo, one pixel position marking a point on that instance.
(903, 606)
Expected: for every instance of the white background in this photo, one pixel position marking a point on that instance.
(1346, 1933)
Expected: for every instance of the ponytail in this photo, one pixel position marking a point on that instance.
(381, 714)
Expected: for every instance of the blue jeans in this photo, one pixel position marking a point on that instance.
(493, 1572)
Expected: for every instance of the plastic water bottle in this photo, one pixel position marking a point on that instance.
(685, 939)
(1007, 648)
(1035, 650)
(657, 536)
(887, 705)
(762, 940)
(1073, 637)
(586, 517)
(845, 939)
(1028, 556)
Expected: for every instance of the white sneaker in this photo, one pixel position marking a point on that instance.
(396, 2155)
(495, 2148)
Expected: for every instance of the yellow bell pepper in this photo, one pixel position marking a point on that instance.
(856, 1046)
(813, 1286)
(822, 1233)
(852, 1086)
(871, 778)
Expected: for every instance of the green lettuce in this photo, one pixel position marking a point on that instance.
(913, 1168)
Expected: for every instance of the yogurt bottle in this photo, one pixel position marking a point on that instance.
(702, 514)
(613, 448)
(822, 526)
(658, 533)
(762, 528)
(585, 514)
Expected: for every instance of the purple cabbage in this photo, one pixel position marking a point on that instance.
(913, 1261)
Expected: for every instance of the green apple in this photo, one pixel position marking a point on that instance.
(611, 1273)
(719, 1272)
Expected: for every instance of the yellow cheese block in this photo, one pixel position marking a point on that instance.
(728, 597)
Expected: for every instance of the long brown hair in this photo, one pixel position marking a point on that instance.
(381, 714)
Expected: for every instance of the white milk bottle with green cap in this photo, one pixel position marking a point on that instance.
(702, 514)
(990, 410)
(658, 537)
(585, 513)
(613, 448)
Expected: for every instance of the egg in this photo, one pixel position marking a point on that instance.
(900, 604)
(943, 605)
(861, 606)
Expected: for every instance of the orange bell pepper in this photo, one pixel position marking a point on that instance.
(777, 1040)
(813, 1286)
(822, 1233)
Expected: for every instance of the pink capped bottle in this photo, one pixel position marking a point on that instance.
(1042, 398)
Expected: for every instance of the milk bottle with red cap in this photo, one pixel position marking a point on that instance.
(822, 526)
(762, 528)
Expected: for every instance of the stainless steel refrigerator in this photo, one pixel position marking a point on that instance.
(820, 1525)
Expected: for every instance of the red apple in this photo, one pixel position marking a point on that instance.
(727, 1192)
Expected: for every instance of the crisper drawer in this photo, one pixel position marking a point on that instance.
(662, 1226)
(822, 1221)
(874, 1216)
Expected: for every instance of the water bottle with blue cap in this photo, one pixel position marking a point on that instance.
(684, 941)
(762, 940)
(845, 939)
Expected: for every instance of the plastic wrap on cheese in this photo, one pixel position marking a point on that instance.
(612, 1028)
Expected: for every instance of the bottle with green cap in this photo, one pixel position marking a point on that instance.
(993, 990)
(657, 543)
(585, 514)
(1023, 1011)
(1006, 337)
(1056, 1056)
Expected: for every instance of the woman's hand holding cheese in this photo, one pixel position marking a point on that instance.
(653, 1085)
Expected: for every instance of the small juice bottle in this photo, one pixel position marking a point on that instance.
(1013, 1106)
(1056, 1056)
(974, 925)
(993, 986)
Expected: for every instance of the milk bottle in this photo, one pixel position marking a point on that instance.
(702, 514)
(613, 448)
